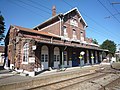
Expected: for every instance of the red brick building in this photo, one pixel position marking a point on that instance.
(60, 40)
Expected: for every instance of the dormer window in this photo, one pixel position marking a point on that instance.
(74, 22)
(74, 34)
(65, 31)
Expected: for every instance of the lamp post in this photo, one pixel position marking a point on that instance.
(81, 56)
(92, 57)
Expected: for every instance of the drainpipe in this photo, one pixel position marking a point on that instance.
(60, 24)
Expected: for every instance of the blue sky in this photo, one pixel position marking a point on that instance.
(101, 24)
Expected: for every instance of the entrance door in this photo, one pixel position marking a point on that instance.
(44, 57)
(75, 61)
(56, 57)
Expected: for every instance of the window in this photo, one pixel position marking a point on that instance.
(74, 34)
(65, 31)
(74, 22)
(46, 57)
(54, 57)
(82, 36)
(26, 52)
(42, 57)
(58, 57)
(65, 55)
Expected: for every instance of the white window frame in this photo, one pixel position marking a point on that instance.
(82, 36)
(44, 57)
(74, 34)
(56, 58)
(65, 34)
(25, 53)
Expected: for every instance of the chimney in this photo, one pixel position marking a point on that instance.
(53, 11)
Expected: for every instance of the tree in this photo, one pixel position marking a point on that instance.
(109, 45)
(95, 41)
(2, 27)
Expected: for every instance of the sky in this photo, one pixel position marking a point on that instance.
(101, 16)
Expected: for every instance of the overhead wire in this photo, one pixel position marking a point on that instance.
(114, 7)
(19, 5)
(105, 30)
(34, 6)
(50, 9)
(37, 3)
(108, 11)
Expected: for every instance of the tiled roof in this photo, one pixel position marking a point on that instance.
(35, 31)
(2, 49)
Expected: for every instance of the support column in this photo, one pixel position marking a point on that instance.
(87, 52)
(100, 57)
(51, 54)
(62, 57)
(70, 57)
(96, 57)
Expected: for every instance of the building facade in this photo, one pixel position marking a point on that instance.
(60, 40)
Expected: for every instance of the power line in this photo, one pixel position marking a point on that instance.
(34, 7)
(91, 19)
(67, 3)
(70, 6)
(33, 12)
(108, 10)
(39, 4)
(100, 33)
(114, 7)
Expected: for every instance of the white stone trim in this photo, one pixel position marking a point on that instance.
(24, 63)
(11, 66)
(37, 69)
(29, 73)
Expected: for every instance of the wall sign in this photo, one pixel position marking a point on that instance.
(31, 59)
(33, 47)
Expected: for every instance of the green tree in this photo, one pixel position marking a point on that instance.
(109, 45)
(2, 27)
(95, 41)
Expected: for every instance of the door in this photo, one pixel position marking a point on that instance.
(75, 61)
(56, 57)
(44, 57)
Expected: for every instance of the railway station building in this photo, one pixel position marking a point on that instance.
(59, 41)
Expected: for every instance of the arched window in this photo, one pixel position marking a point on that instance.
(56, 54)
(25, 52)
(44, 54)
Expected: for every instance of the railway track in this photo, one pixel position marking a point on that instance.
(68, 82)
